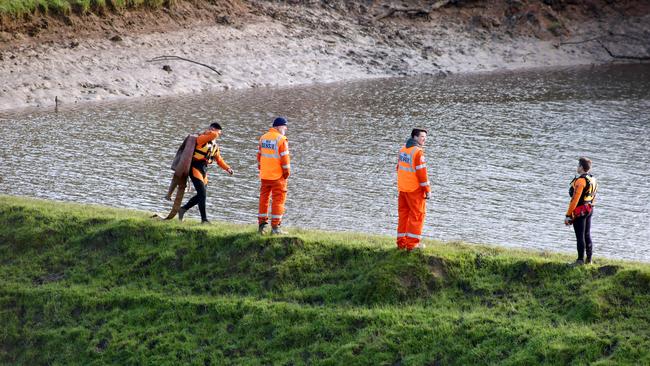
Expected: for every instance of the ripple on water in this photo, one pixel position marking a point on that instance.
(502, 150)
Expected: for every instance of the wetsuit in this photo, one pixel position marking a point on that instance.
(205, 153)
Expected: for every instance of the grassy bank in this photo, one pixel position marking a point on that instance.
(21, 8)
(91, 285)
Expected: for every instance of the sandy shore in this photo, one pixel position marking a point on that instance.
(288, 45)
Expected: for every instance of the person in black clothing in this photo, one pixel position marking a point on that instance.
(583, 194)
(205, 152)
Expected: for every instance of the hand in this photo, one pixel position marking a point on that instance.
(568, 221)
(230, 171)
(427, 195)
(285, 175)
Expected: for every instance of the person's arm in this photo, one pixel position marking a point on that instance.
(285, 159)
(421, 172)
(206, 137)
(578, 187)
(222, 163)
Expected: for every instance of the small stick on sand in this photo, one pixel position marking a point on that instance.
(167, 58)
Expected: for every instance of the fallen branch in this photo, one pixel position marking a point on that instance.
(624, 57)
(611, 54)
(583, 41)
(601, 37)
(167, 58)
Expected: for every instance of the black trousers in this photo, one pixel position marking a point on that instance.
(582, 228)
(199, 198)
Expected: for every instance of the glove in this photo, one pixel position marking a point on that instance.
(568, 221)
(427, 195)
(230, 171)
(285, 174)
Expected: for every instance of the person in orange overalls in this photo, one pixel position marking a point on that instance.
(583, 196)
(414, 190)
(274, 167)
(205, 152)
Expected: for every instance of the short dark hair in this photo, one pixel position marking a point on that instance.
(216, 126)
(585, 163)
(416, 132)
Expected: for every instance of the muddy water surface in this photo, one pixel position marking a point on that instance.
(502, 150)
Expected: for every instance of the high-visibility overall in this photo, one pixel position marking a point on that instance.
(412, 184)
(275, 167)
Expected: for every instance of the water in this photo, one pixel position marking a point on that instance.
(501, 152)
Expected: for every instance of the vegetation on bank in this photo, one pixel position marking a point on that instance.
(92, 285)
(21, 8)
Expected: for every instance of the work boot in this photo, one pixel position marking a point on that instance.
(420, 246)
(181, 212)
(589, 261)
(262, 228)
(578, 262)
(205, 222)
(277, 231)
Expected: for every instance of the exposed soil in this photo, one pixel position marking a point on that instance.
(261, 43)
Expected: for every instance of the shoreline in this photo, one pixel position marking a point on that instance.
(77, 105)
(285, 46)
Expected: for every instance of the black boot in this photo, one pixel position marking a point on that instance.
(181, 212)
(262, 228)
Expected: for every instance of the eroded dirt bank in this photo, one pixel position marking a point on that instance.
(260, 43)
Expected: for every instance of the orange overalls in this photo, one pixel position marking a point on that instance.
(412, 183)
(274, 166)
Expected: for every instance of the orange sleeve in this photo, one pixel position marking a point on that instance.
(421, 171)
(205, 137)
(578, 186)
(222, 163)
(285, 159)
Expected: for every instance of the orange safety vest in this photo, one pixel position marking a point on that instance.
(270, 158)
(407, 180)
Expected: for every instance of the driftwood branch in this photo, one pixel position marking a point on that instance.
(415, 11)
(167, 58)
(601, 37)
(624, 57)
(611, 54)
(583, 41)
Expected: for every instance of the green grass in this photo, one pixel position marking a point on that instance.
(20, 8)
(91, 285)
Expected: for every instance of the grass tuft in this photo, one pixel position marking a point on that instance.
(18, 9)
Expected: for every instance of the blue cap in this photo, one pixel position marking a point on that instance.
(280, 121)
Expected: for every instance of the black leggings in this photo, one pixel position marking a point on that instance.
(198, 198)
(582, 227)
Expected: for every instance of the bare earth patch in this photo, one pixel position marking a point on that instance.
(259, 44)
